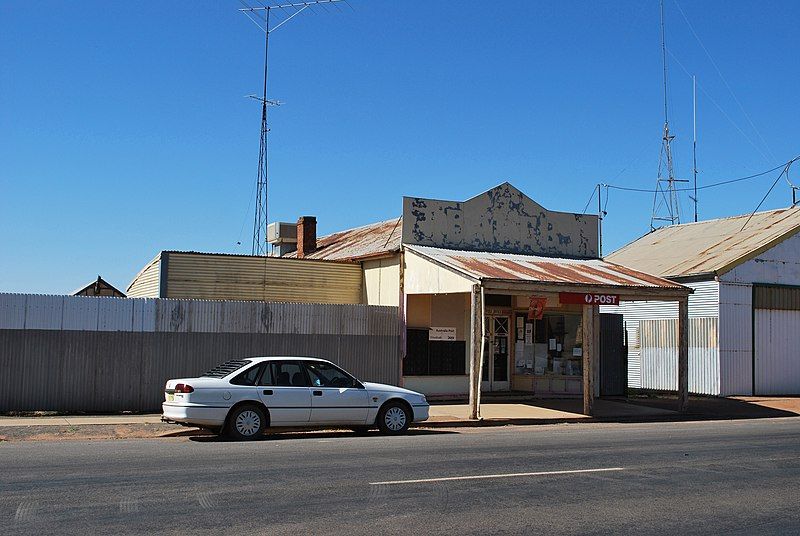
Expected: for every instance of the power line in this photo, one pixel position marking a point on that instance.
(718, 107)
(706, 186)
(778, 178)
(594, 189)
(724, 80)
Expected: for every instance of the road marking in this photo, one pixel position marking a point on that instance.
(502, 475)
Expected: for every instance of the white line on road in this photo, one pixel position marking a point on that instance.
(505, 475)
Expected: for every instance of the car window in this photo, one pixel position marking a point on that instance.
(325, 375)
(284, 374)
(249, 376)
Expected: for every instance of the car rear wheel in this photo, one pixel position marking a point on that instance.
(246, 422)
(394, 418)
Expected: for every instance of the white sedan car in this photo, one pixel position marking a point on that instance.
(243, 397)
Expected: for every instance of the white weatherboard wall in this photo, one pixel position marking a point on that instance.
(703, 303)
(422, 276)
(382, 281)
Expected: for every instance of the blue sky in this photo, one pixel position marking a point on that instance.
(124, 129)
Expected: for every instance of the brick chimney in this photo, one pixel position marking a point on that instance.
(306, 236)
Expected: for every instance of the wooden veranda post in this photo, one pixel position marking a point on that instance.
(476, 355)
(683, 354)
(589, 357)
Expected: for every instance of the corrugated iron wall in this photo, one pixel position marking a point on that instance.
(659, 355)
(230, 277)
(73, 353)
(776, 297)
(703, 303)
(147, 282)
(736, 339)
(777, 365)
(777, 339)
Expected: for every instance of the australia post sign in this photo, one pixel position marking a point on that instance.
(588, 298)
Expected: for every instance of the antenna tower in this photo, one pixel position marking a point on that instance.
(268, 22)
(666, 206)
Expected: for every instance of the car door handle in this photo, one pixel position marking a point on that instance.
(317, 393)
(267, 391)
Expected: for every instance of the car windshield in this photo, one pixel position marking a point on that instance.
(220, 371)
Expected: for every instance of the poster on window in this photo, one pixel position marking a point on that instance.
(536, 307)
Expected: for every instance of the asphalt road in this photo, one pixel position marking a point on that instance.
(733, 477)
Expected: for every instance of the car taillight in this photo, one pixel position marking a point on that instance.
(184, 388)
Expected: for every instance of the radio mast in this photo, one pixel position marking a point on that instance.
(267, 22)
(666, 206)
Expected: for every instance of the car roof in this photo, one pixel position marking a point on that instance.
(283, 358)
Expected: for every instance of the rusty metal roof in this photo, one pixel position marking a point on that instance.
(374, 240)
(711, 247)
(538, 269)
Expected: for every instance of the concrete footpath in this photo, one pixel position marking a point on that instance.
(494, 413)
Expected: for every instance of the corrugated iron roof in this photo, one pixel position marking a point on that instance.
(708, 247)
(537, 269)
(371, 240)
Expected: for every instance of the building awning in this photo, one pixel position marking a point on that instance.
(504, 271)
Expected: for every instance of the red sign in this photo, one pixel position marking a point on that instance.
(536, 308)
(588, 298)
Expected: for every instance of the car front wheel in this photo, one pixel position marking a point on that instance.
(246, 422)
(394, 418)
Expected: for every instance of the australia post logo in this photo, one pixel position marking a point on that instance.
(588, 298)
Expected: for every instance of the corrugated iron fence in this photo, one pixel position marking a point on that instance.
(659, 355)
(73, 353)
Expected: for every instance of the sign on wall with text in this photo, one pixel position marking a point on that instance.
(588, 298)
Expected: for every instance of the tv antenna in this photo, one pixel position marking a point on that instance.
(666, 206)
(268, 19)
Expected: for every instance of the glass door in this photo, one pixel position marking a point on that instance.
(495, 355)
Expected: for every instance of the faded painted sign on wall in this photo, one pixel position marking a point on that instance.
(502, 220)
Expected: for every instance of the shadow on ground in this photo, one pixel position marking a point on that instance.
(202, 436)
(725, 408)
(644, 407)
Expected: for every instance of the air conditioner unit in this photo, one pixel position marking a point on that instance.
(280, 232)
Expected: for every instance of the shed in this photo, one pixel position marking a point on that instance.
(744, 313)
